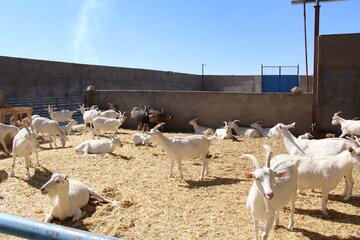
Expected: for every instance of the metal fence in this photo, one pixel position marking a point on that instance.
(39, 105)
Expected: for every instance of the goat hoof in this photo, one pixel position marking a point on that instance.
(326, 214)
(264, 236)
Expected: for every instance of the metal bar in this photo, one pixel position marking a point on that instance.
(278, 66)
(30, 229)
(306, 56)
(315, 72)
(312, 1)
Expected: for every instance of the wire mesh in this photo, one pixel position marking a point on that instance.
(40, 104)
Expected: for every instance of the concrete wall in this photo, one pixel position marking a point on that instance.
(21, 78)
(251, 83)
(213, 108)
(35, 78)
(339, 78)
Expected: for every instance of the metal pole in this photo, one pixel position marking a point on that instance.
(306, 56)
(30, 229)
(202, 69)
(315, 73)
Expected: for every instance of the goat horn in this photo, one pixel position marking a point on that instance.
(357, 140)
(158, 126)
(236, 121)
(27, 129)
(268, 154)
(337, 113)
(292, 125)
(253, 159)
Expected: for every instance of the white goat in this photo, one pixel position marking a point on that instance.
(265, 132)
(201, 129)
(60, 116)
(51, 127)
(110, 114)
(324, 172)
(243, 131)
(350, 127)
(68, 127)
(224, 132)
(316, 148)
(305, 136)
(178, 148)
(103, 146)
(107, 124)
(141, 139)
(24, 144)
(68, 197)
(268, 195)
(7, 130)
(88, 115)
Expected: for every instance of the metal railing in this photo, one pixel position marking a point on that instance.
(38, 104)
(30, 229)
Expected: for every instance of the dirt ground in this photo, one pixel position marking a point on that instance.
(153, 206)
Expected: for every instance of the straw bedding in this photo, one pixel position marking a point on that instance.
(153, 206)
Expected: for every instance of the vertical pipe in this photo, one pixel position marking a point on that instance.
(315, 73)
(306, 56)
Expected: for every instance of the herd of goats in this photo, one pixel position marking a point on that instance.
(311, 163)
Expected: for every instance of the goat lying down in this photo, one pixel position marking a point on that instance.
(68, 197)
(102, 147)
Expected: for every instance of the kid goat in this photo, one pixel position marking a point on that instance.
(268, 195)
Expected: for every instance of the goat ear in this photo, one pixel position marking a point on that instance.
(249, 175)
(280, 173)
(66, 178)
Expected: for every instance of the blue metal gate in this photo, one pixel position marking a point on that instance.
(279, 78)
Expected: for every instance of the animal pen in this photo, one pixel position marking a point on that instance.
(152, 206)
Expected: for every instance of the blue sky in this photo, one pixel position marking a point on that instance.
(232, 37)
